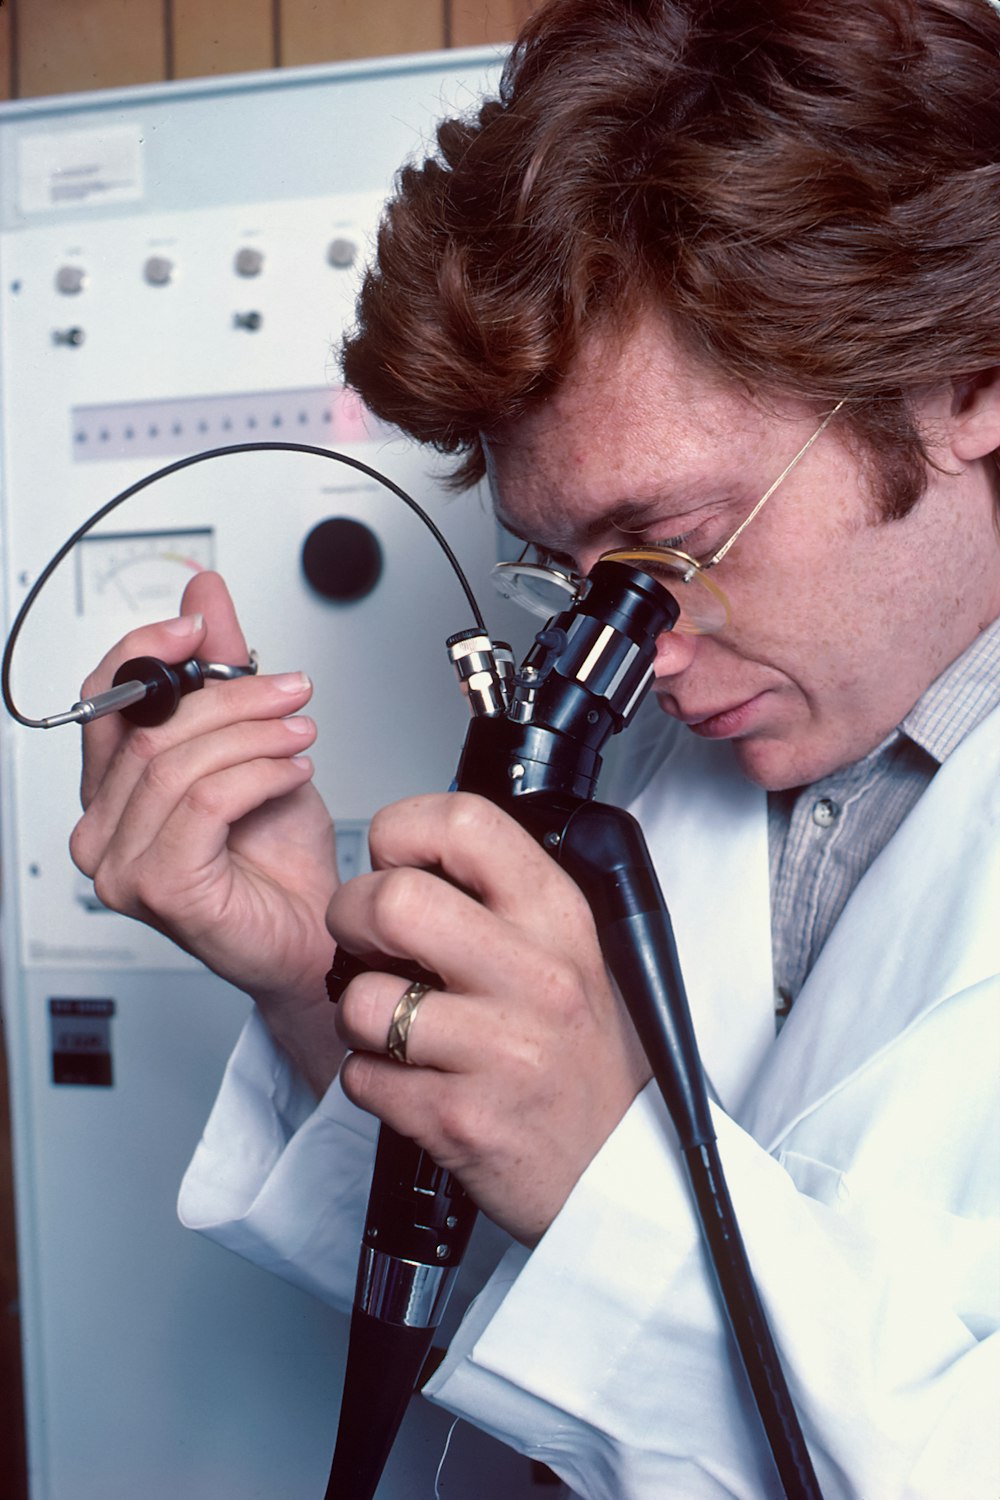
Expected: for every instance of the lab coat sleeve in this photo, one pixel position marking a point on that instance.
(603, 1352)
(283, 1179)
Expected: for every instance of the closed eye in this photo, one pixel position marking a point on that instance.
(560, 560)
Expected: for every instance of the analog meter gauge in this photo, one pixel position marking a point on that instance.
(141, 572)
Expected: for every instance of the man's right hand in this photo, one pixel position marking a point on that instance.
(209, 829)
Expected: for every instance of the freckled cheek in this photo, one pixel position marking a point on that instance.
(784, 607)
(766, 647)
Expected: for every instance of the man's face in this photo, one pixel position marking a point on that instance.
(839, 621)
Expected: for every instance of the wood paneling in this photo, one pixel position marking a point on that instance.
(221, 36)
(477, 22)
(6, 54)
(329, 30)
(65, 45)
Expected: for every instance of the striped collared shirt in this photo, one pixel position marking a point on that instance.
(822, 838)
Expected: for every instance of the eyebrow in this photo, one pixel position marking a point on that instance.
(630, 515)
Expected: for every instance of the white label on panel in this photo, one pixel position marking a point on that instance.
(80, 168)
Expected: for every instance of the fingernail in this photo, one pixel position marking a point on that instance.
(303, 761)
(184, 625)
(291, 682)
(300, 725)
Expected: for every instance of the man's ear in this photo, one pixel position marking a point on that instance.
(975, 415)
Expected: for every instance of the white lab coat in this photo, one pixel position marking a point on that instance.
(861, 1149)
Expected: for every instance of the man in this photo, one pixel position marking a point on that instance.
(718, 279)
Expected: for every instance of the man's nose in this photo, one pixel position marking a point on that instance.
(674, 653)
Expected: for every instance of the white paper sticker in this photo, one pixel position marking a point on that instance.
(80, 169)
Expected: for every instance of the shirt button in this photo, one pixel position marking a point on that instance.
(825, 812)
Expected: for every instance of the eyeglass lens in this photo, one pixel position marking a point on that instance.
(546, 590)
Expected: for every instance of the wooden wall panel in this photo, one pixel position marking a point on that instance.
(474, 23)
(313, 31)
(221, 36)
(6, 52)
(65, 45)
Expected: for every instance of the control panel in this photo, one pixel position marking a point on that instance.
(178, 265)
(173, 335)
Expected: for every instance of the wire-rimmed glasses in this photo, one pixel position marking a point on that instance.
(545, 588)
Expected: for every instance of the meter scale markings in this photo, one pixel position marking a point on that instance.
(138, 571)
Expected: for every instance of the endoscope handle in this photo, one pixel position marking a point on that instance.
(417, 1226)
(418, 1215)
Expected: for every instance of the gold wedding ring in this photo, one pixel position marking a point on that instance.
(402, 1020)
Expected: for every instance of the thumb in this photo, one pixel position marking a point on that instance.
(224, 640)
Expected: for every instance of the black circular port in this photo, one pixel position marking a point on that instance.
(342, 559)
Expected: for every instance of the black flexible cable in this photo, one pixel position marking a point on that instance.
(748, 1323)
(186, 463)
(605, 851)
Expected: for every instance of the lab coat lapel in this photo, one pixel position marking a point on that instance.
(912, 934)
(706, 827)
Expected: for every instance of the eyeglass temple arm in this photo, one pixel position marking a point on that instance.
(780, 480)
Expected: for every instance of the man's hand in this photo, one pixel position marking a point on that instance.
(208, 828)
(527, 1061)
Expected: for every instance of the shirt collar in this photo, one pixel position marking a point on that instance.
(959, 699)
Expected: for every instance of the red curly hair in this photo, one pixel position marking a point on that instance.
(810, 192)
